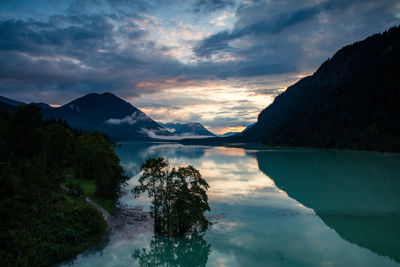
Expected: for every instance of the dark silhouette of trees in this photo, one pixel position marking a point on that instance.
(95, 160)
(42, 223)
(179, 197)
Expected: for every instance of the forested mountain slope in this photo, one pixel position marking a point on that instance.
(351, 101)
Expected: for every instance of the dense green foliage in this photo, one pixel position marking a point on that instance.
(43, 228)
(350, 102)
(179, 197)
(43, 222)
(95, 160)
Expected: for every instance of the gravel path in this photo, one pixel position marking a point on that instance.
(105, 214)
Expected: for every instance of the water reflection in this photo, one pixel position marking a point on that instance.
(272, 208)
(132, 154)
(355, 193)
(233, 175)
(191, 250)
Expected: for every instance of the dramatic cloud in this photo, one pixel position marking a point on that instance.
(175, 137)
(177, 60)
(279, 37)
(84, 56)
(208, 6)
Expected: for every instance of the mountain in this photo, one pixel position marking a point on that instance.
(229, 134)
(10, 101)
(237, 134)
(109, 114)
(190, 129)
(247, 129)
(351, 101)
(42, 105)
(17, 103)
(105, 112)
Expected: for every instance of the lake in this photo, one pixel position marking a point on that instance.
(271, 207)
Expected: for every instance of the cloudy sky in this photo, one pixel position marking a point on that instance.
(217, 62)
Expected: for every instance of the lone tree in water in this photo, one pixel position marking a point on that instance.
(179, 197)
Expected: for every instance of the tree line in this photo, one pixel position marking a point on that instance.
(41, 223)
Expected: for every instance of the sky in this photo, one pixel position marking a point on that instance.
(216, 62)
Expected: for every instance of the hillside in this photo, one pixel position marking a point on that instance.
(351, 101)
(10, 101)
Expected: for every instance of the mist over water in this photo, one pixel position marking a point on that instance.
(271, 207)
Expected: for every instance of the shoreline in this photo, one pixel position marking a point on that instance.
(127, 223)
(104, 213)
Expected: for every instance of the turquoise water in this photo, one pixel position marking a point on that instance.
(272, 207)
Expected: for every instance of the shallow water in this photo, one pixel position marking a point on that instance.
(272, 207)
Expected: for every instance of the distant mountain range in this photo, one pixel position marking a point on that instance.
(105, 112)
(187, 129)
(352, 101)
(115, 117)
(228, 134)
(237, 134)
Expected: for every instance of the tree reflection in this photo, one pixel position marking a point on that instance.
(190, 250)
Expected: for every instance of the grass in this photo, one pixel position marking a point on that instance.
(89, 188)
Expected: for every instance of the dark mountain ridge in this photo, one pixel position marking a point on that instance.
(17, 103)
(94, 109)
(110, 114)
(10, 101)
(351, 101)
(104, 112)
(228, 134)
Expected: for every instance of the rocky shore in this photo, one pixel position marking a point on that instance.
(128, 222)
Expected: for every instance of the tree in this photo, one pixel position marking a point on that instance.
(27, 135)
(96, 160)
(179, 197)
(190, 200)
(56, 151)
